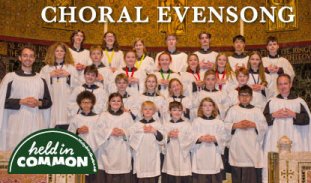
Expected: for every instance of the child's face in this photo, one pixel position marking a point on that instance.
(96, 56)
(59, 53)
(176, 88)
(151, 83)
(207, 108)
(245, 98)
(204, 40)
(130, 59)
(139, 46)
(221, 61)
(148, 111)
(90, 77)
(109, 38)
(86, 105)
(171, 41)
(210, 81)
(78, 38)
(164, 61)
(115, 103)
(284, 85)
(254, 61)
(193, 61)
(121, 85)
(242, 79)
(272, 47)
(238, 45)
(176, 113)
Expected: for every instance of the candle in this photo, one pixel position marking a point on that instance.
(241, 27)
(105, 26)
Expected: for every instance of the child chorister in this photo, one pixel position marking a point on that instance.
(146, 139)
(80, 55)
(180, 139)
(114, 156)
(210, 140)
(104, 77)
(192, 79)
(210, 90)
(143, 61)
(224, 74)
(275, 64)
(246, 127)
(90, 75)
(61, 77)
(135, 77)
(85, 124)
(178, 59)
(176, 94)
(207, 57)
(239, 57)
(151, 94)
(113, 56)
(165, 74)
(131, 103)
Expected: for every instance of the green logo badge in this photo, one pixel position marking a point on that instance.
(52, 151)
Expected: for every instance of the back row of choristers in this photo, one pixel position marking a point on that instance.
(196, 104)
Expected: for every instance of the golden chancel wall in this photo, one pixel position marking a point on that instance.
(22, 19)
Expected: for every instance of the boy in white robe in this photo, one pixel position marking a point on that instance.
(146, 139)
(85, 124)
(207, 57)
(239, 57)
(90, 75)
(25, 102)
(246, 127)
(180, 139)
(275, 64)
(289, 115)
(179, 59)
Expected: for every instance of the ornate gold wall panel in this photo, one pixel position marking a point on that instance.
(23, 19)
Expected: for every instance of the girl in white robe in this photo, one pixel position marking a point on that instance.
(143, 61)
(286, 114)
(85, 124)
(62, 77)
(176, 94)
(165, 74)
(80, 55)
(209, 90)
(114, 155)
(146, 139)
(113, 56)
(135, 77)
(180, 139)
(19, 120)
(90, 75)
(192, 79)
(210, 139)
(207, 57)
(178, 59)
(151, 94)
(246, 127)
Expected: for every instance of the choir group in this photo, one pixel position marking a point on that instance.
(177, 119)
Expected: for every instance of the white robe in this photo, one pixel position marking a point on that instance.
(81, 57)
(178, 64)
(177, 151)
(211, 164)
(60, 89)
(188, 79)
(186, 103)
(205, 57)
(164, 89)
(146, 149)
(114, 156)
(100, 105)
(280, 62)
(117, 59)
(17, 124)
(147, 65)
(160, 102)
(132, 103)
(246, 145)
(233, 61)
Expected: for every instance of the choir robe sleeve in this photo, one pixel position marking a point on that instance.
(3, 93)
(103, 131)
(303, 117)
(72, 106)
(101, 100)
(261, 127)
(288, 68)
(220, 138)
(228, 122)
(46, 100)
(136, 134)
(186, 139)
(73, 127)
(73, 79)
(127, 124)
